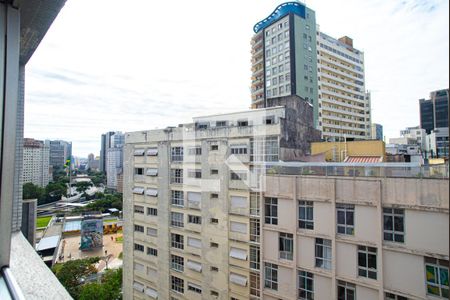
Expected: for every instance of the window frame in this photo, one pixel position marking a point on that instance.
(177, 263)
(346, 210)
(177, 241)
(365, 270)
(285, 245)
(305, 285)
(437, 265)
(271, 276)
(393, 214)
(307, 207)
(322, 261)
(271, 210)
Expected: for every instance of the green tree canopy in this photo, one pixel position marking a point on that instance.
(32, 191)
(82, 186)
(73, 273)
(109, 288)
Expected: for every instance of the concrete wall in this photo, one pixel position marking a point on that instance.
(354, 148)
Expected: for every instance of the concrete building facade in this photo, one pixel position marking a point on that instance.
(36, 162)
(344, 105)
(114, 159)
(377, 132)
(284, 60)
(437, 143)
(190, 202)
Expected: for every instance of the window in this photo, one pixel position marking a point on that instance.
(214, 196)
(305, 214)
(138, 228)
(194, 288)
(269, 119)
(197, 150)
(214, 147)
(138, 171)
(255, 230)
(346, 291)
(176, 219)
(271, 276)
(394, 224)
(255, 257)
(152, 251)
(221, 123)
(286, 245)
(271, 211)
(152, 152)
(238, 227)
(138, 209)
(138, 247)
(152, 211)
(215, 269)
(436, 272)
(305, 285)
(323, 253)
(238, 149)
(254, 204)
(238, 175)
(194, 219)
(213, 245)
(214, 172)
(176, 176)
(177, 241)
(177, 263)
(195, 266)
(254, 285)
(243, 123)
(152, 231)
(195, 174)
(214, 294)
(345, 218)
(177, 284)
(238, 253)
(177, 198)
(177, 153)
(390, 296)
(367, 262)
(214, 221)
(194, 199)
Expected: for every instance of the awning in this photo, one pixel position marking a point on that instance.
(238, 227)
(138, 286)
(151, 192)
(138, 190)
(239, 202)
(151, 293)
(193, 265)
(196, 243)
(152, 151)
(48, 243)
(152, 172)
(139, 152)
(238, 279)
(238, 253)
(363, 159)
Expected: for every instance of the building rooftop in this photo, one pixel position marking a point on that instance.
(48, 243)
(282, 10)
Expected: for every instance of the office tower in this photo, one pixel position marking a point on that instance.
(284, 59)
(105, 145)
(344, 105)
(35, 162)
(354, 237)
(60, 151)
(191, 200)
(376, 132)
(434, 111)
(114, 159)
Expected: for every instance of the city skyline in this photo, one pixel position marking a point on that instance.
(192, 68)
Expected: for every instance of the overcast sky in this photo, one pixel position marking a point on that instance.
(109, 65)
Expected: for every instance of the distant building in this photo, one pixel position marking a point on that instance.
(376, 131)
(114, 159)
(364, 151)
(93, 163)
(437, 143)
(35, 162)
(60, 151)
(434, 111)
(105, 145)
(29, 214)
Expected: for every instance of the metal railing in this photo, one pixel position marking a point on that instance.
(401, 170)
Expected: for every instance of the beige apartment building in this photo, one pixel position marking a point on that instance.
(339, 237)
(191, 206)
(344, 104)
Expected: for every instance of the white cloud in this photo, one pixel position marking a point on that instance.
(105, 65)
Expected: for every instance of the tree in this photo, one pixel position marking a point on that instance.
(109, 288)
(54, 191)
(82, 186)
(73, 273)
(32, 191)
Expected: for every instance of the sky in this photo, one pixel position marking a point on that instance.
(110, 65)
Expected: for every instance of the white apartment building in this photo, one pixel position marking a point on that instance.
(344, 105)
(191, 206)
(36, 162)
(346, 238)
(114, 165)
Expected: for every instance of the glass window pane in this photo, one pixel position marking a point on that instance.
(388, 223)
(398, 224)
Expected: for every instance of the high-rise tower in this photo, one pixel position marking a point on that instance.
(284, 56)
